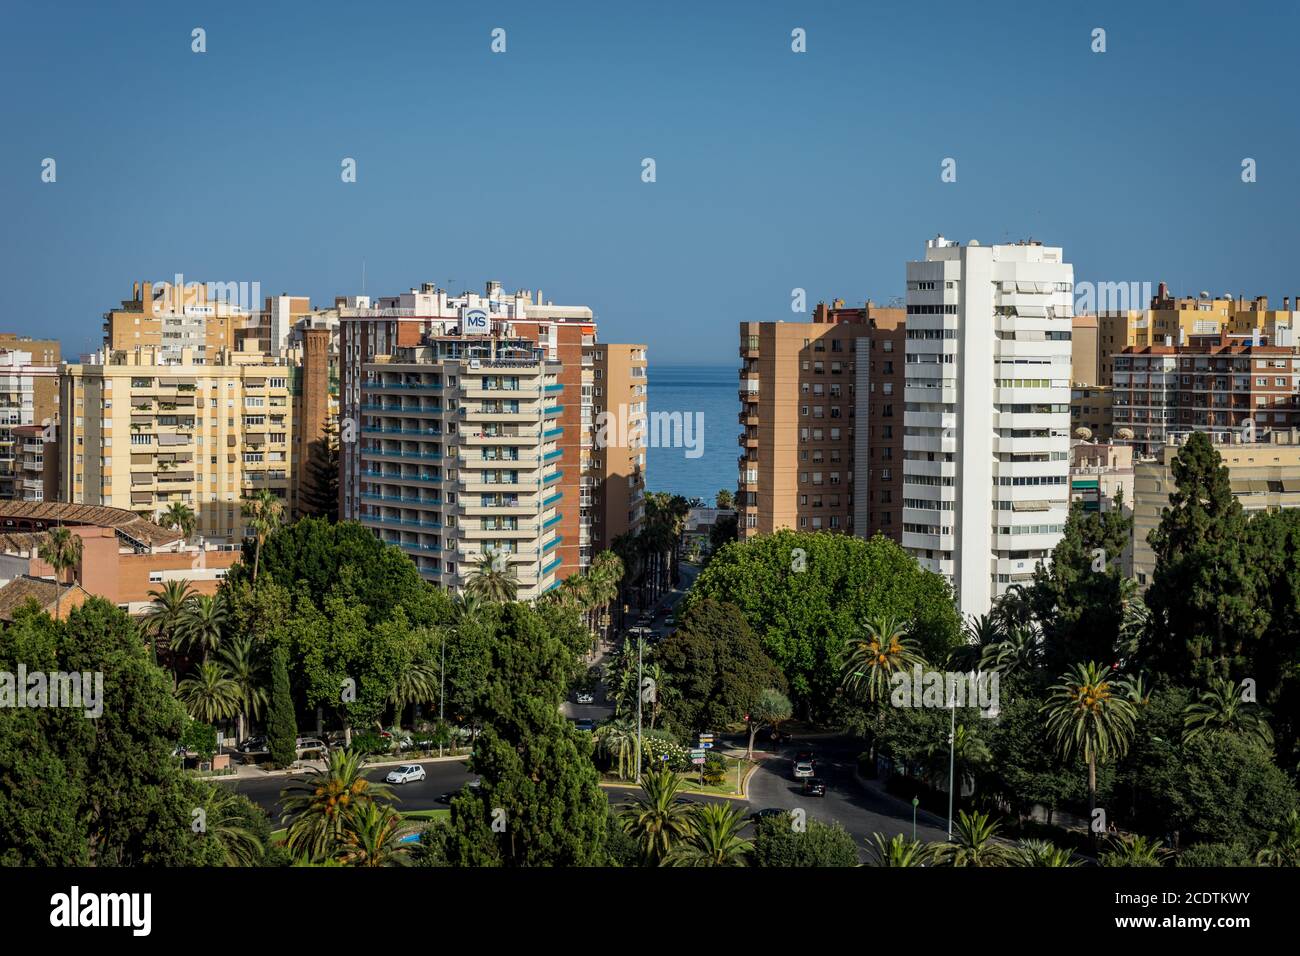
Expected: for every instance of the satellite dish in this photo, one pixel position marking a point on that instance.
(1084, 434)
(1124, 433)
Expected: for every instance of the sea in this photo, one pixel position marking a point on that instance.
(705, 394)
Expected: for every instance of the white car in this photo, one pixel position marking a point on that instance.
(407, 774)
(802, 770)
(586, 697)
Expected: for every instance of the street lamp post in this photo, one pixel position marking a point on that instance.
(442, 692)
(952, 756)
(915, 802)
(639, 645)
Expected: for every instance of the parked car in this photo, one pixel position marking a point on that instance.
(586, 697)
(450, 794)
(814, 787)
(253, 745)
(307, 745)
(585, 724)
(408, 774)
(805, 756)
(767, 813)
(803, 769)
(671, 620)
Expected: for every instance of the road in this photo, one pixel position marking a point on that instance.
(861, 811)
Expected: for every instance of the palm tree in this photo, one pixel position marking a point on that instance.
(713, 838)
(247, 669)
(1020, 649)
(1088, 715)
(416, 684)
(1041, 853)
(202, 622)
(163, 618)
(493, 579)
(180, 516)
(223, 821)
(1134, 850)
(209, 694)
(1014, 609)
(61, 550)
(875, 658)
(660, 818)
(317, 808)
(975, 843)
(263, 512)
(1283, 846)
(899, 851)
(1220, 710)
(617, 740)
(374, 835)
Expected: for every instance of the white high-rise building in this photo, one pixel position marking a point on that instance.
(986, 460)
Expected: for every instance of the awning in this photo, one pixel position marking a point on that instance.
(1031, 506)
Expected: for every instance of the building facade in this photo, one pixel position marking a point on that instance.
(29, 395)
(145, 427)
(987, 392)
(821, 411)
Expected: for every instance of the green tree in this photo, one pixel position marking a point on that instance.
(263, 513)
(777, 843)
(245, 666)
(281, 724)
(898, 851)
(1077, 595)
(180, 516)
(61, 550)
(1206, 616)
(162, 620)
(103, 791)
(872, 659)
(659, 819)
(318, 809)
(236, 824)
(538, 783)
(493, 578)
(374, 835)
(1041, 853)
(975, 843)
(717, 666)
(723, 499)
(209, 694)
(202, 623)
(770, 710)
(1221, 709)
(1089, 716)
(806, 594)
(712, 838)
(1134, 850)
(1283, 845)
(320, 494)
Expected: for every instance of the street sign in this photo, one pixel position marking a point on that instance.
(699, 761)
(706, 746)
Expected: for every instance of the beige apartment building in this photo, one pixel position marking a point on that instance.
(804, 386)
(613, 447)
(145, 427)
(1265, 476)
(459, 460)
(171, 317)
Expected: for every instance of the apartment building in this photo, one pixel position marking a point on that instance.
(592, 480)
(821, 411)
(29, 395)
(173, 317)
(615, 393)
(1218, 384)
(1099, 474)
(1085, 350)
(1265, 476)
(36, 448)
(459, 457)
(986, 455)
(147, 427)
(313, 352)
(1091, 412)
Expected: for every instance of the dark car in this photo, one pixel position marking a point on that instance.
(252, 745)
(814, 787)
(585, 724)
(768, 813)
(805, 756)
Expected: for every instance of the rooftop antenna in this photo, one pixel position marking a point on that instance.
(363, 276)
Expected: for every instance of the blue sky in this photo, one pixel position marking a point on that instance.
(775, 170)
